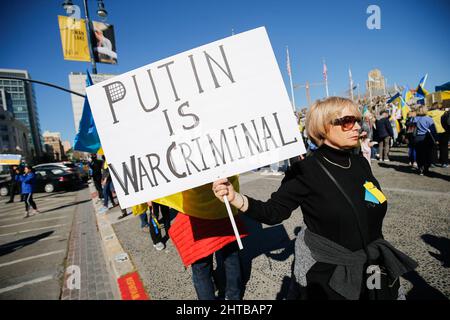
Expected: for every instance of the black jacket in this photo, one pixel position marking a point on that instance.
(325, 211)
(384, 129)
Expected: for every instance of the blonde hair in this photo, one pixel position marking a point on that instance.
(323, 112)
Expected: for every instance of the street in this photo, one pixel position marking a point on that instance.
(34, 251)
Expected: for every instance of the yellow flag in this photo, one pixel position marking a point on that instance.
(200, 202)
(74, 39)
(375, 191)
(139, 209)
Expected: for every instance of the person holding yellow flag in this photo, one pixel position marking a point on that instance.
(341, 253)
(202, 230)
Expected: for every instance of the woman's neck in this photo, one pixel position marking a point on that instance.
(335, 154)
(331, 145)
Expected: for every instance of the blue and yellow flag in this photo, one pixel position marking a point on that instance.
(87, 138)
(406, 94)
(420, 90)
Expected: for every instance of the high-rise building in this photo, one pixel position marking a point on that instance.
(24, 109)
(53, 145)
(77, 83)
(5, 101)
(376, 84)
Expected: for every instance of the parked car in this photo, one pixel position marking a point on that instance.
(53, 178)
(65, 165)
(4, 184)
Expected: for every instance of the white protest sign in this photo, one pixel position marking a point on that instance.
(211, 112)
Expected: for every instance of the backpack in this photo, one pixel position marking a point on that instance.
(445, 121)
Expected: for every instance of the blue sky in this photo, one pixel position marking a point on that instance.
(413, 40)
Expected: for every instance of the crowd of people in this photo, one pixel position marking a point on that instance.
(425, 131)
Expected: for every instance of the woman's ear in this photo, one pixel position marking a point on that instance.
(327, 131)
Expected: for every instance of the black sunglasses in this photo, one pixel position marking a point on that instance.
(347, 122)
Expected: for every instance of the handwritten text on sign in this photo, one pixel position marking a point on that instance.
(214, 111)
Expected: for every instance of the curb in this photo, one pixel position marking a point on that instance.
(126, 277)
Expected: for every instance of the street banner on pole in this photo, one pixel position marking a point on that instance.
(10, 159)
(104, 43)
(74, 39)
(211, 112)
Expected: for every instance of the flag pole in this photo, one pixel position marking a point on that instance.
(326, 77)
(351, 83)
(424, 81)
(233, 222)
(290, 77)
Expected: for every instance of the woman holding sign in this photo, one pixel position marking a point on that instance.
(341, 254)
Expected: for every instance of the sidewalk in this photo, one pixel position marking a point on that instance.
(85, 252)
(122, 274)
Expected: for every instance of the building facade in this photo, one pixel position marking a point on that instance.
(77, 83)
(14, 136)
(53, 146)
(376, 84)
(24, 108)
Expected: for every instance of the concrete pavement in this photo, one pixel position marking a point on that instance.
(35, 252)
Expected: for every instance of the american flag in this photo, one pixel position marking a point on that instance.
(324, 72)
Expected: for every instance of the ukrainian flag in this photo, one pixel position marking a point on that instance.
(200, 202)
(404, 106)
(393, 98)
(420, 91)
(87, 138)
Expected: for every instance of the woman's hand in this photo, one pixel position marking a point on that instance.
(223, 188)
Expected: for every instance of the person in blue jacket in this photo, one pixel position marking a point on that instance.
(27, 180)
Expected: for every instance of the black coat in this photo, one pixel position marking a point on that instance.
(325, 211)
(384, 129)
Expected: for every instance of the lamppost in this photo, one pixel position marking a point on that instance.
(101, 12)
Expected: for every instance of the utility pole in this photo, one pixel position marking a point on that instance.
(88, 27)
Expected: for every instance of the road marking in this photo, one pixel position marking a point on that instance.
(31, 258)
(35, 229)
(21, 213)
(26, 283)
(17, 243)
(21, 217)
(31, 221)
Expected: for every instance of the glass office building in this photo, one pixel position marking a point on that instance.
(24, 108)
